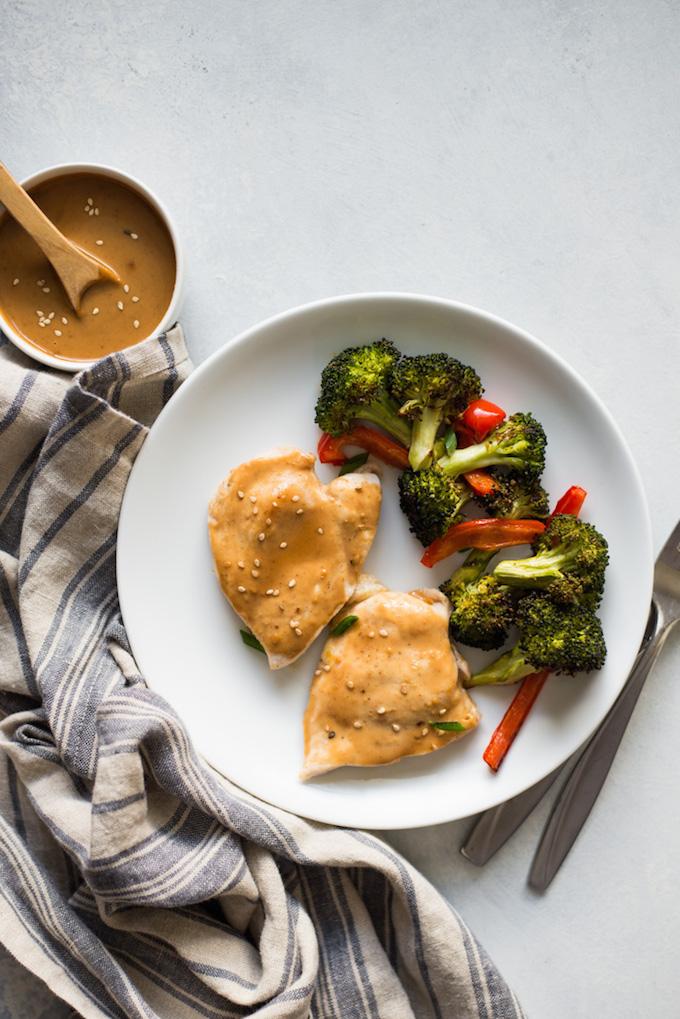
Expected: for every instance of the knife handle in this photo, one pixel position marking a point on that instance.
(581, 789)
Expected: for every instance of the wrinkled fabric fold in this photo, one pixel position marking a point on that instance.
(134, 880)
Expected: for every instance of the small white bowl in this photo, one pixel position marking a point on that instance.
(64, 364)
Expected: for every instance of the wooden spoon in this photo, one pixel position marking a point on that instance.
(76, 268)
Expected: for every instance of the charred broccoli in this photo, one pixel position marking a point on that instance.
(562, 638)
(516, 497)
(569, 562)
(518, 443)
(354, 387)
(482, 611)
(429, 388)
(431, 502)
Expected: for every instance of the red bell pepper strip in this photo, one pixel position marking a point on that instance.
(329, 449)
(490, 533)
(571, 502)
(380, 445)
(481, 482)
(512, 720)
(481, 417)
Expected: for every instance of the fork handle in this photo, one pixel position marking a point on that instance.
(582, 788)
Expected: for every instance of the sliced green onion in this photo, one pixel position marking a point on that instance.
(451, 441)
(448, 726)
(357, 461)
(344, 625)
(251, 640)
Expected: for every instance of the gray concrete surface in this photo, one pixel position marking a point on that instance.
(522, 156)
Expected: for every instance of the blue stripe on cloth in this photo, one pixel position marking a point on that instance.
(17, 403)
(75, 504)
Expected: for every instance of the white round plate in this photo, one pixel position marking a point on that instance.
(259, 391)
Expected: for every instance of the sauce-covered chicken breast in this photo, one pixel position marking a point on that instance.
(289, 550)
(382, 681)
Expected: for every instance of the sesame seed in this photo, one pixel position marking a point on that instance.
(45, 290)
(40, 283)
(298, 512)
(403, 688)
(99, 243)
(135, 300)
(15, 281)
(317, 672)
(270, 590)
(253, 498)
(382, 710)
(268, 521)
(358, 724)
(275, 503)
(242, 589)
(57, 332)
(382, 632)
(96, 212)
(95, 311)
(371, 633)
(41, 314)
(296, 498)
(120, 305)
(292, 583)
(240, 494)
(255, 511)
(50, 316)
(42, 323)
(276, 592)
(90, 201)
(320, 530)
(86, 208)
(442, 711)
(256, 562)
(434, 746)
(136, 323)
(349, 684)
(283, 544)
(261, 536)
(396, 727)
(241, 565)
(254, 573)
(326, 668)
(298, 632)
(90, 212)
(134, 236)
(64, 320)
(424, 731)
(126, 288)
(293, 623)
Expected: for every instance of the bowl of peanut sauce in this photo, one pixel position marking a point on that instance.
(115, 217)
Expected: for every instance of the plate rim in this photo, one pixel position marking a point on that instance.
(435, 816)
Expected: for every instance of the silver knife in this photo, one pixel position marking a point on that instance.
(582, 788)
(495, 826)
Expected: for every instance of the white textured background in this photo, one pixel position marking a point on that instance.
(520, 155)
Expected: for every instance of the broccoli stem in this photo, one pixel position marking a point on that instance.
(423, 436)
(472, 568)
(383, 413)
(532, 571)
(474, 458)
(509, 668)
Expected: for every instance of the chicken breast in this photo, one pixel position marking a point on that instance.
(382, 682)
(289, 550)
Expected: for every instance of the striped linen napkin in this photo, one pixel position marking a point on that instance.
(135, 881)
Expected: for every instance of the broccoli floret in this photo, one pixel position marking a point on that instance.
(518, 443)
(569, 561)
(516, 497)
(482, 612)
(430, 388)
(354, 387)
(562, 638)
(431, 502)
